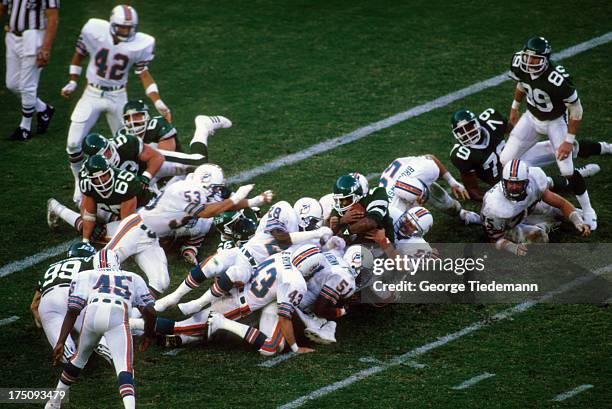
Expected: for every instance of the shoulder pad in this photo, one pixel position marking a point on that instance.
(538, 176)
(144, 40)
(96, 27)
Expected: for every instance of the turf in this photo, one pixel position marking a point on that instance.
(291, 74)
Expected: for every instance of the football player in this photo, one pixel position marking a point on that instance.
(113, 47)
(550, 93)
(412, 180)
(202, 194)
(327, 201)
(235, 228)
(276, 287)
(50, 302)
(481, 141)
(507, 206)
(105, 295)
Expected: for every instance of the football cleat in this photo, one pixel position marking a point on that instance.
(21, 134)
(52, 216)
(589, 170)
(165, 302)
(590, 218)
(53, 404)
(212, 123)
(606, 148)
(469, 217)
(169, 341)
(191, 307)
(214, 323)
(44, 119)
(324, 335)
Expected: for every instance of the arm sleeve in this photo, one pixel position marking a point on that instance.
(84, 44)
(289, 296)
(145, 57)
(143, 296)
(79, 292)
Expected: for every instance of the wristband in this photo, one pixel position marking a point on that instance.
(516, 104)
(294, 347)
(88, 217)
(160, 106)
(75, 70)
(576, 219)
(449, 179)
(85, 240)
(571, 138)
(151, 88)
(147, 175)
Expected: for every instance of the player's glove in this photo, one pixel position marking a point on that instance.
(325, 233)
(69, 88)
(241, 193)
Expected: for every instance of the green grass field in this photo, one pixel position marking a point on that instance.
(289, 75)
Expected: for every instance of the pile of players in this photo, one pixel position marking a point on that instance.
(138, 194)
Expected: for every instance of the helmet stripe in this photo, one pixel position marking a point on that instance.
(102, 258)
(514, 168)
(127, 12)
(422, 212)
(299, 259)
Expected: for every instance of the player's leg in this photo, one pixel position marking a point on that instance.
(30, 75)
(115, 100)
(56, 211)
(192, 237)
(441, 200)
(557, 132)
(523, 136)
(120, 344)
(269, 325)
(178, 163)
(205, 127)
(587, 148)
(125, 242)
(151, 259)
(83, 118)
(52, 310)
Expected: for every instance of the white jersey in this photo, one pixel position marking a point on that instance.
(109, 63)
(500, 214)
(262, 245)
(334, 283)
(115, 285)
(276, 280)
(400, 169)
(177, 206)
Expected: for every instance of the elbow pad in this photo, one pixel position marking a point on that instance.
(575, 110)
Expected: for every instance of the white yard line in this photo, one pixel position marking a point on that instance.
(410, 355)
(275, 361)
(8, 320)
(573, 392)
(174, 352)
(473, 381)
(346, 138)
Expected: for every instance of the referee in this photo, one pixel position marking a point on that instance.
(30, 32)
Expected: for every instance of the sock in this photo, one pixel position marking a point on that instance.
(126, 389)
(26, 117)
(206, 298)
(585, 202)
(250, 334)
(41, 106)
(186, 339)
(68, 215)
(605, 148)
(199, 147)
(560, 185)
(68, 377)
(222, 285)
(200, 136)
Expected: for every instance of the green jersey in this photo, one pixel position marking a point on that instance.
(126, 186)
(376, 205)
(63, 271)
(548, 93)
(158, 129)
(129, 148)
(482, 158)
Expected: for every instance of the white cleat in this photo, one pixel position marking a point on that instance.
(589, 170)
(212, 123)
(191, 307)
(214, 323)
(606, 148)
(52, 217)
(590, 218)
(189, 254)
(105, 353)
(469, 217)
(324, 335)
(166, 302)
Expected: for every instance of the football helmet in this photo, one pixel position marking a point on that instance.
(515, 179)
(211, 178)
(123, 22)
(535, 55)
(96, 144)
(347, 191)
(106, 259)
(415, 222)
(361, 263)
(466, 128)
(309, 212)
(136, 117)
(81, 249)
(101, 175)
(236, 226)
(363, 181)
(308, 259)
(413, 190)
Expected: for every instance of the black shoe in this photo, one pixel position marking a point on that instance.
(44, 119)
(21, 134)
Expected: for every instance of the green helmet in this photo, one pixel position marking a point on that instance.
(136, 117)
(81, 249)
(535, 55)
(347, 192)
(231, 224)
(243, 229)
(96, 144)
(466, 127)
(100, 174)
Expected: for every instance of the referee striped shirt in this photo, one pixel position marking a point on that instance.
(28, 14)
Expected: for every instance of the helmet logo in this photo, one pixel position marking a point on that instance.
(305, 209)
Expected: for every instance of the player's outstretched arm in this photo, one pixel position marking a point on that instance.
(470, 181)
(286, 327)
(569, 211)
(154, 160)
(519, 95)
(457, 188)
(88, 215)
(150, 87)
(149, 315)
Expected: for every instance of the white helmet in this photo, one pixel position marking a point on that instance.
(411, 190)
(515, 178)
(327, 204)
(308, 259)
(414, 222)
(358, 258)
(363, 181)
(211, 178)
(106, 259)
(123, 16)
(309, 212)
